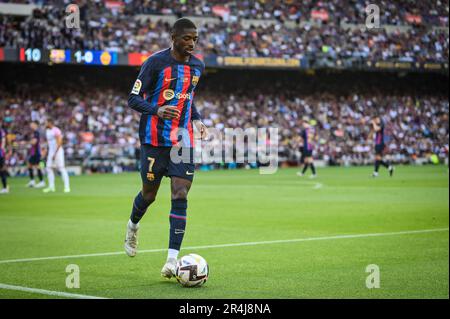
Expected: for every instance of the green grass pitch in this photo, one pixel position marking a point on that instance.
(239, 206)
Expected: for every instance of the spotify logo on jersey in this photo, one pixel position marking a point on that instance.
(170, 94)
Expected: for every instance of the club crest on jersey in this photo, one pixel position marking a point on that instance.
(195, 79)
(168, 94)
(136, 87)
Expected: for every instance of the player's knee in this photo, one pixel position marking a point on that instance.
(179, 192)
(148, 196)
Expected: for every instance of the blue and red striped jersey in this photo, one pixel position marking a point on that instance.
(36, 148)
(2, 141)
(166, 81)
(308, 136)
(379, 135)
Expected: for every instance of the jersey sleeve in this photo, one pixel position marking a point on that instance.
(136, 99)
(195, 114)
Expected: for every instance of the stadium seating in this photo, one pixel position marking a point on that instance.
(129, 31)
(100, 124)
(415, 32)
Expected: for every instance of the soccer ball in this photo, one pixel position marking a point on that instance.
(192, 270)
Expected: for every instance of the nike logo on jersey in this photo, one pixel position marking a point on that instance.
(189, 173)
(183, 79)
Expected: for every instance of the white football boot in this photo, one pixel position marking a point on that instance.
(48, 190)
(40, 184)
(31, 183)
(168, 271)
(66, 190)
(5, 190)
(300, 174)
(391, 170)
(131, 241)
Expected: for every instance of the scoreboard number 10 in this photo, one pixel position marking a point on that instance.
(33, 55)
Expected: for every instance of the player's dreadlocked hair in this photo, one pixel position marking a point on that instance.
(182, 24)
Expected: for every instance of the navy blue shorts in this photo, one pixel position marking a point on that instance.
(307, 153)
(34, 159)
(156, 162)
(379, 149)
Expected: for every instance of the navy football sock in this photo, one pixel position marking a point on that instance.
(177, 219)
(305, 168)
(385, 164)
(41, 177)
(31, 173)
(3, 176)
(377, 166)
(313, 168)
(140, 206)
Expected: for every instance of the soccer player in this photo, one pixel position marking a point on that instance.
(163, 93)
(309, 137)
(55, 157)
(378, 130)
(34, 157)
(3, 172)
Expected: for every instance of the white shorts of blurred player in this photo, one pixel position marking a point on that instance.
(57, 162)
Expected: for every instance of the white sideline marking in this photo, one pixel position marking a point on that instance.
(420, 231)
(48, 292)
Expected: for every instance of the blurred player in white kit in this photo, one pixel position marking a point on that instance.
(55, 157)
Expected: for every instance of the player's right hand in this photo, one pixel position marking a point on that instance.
(168, 112)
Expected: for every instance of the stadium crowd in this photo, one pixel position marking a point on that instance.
(97, 123)
(352, 11)
(101, 124)
(108, 30)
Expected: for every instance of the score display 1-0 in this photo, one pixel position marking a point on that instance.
(88, 57)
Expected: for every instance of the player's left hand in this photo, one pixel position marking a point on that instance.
(201, 128)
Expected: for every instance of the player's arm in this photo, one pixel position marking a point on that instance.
(59, 142)
(34, 141)
(371, 134)
(3, 146)
(136, 99)
(44, 150)
(196, 117)
(376, 127)
(197, 120)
